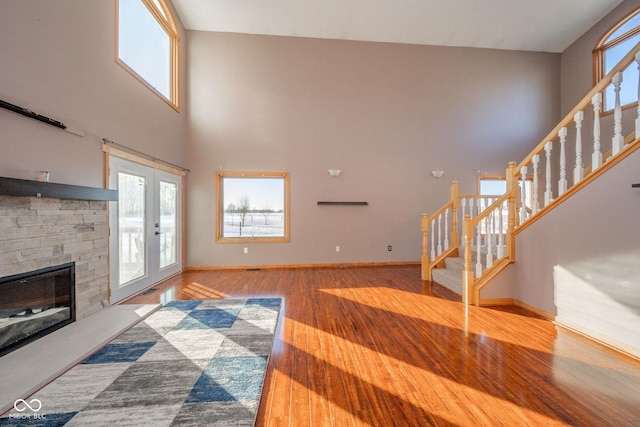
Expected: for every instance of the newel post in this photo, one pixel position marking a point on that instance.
(425, 261)
(512, 185)
(467, 272)
(454, 213)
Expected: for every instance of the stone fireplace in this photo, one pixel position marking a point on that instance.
(44, 225)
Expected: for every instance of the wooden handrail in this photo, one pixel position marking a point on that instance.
(584, 103)
(440, 211)
(485, 213)
(477, 196)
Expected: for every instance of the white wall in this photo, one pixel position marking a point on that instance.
(57, 59)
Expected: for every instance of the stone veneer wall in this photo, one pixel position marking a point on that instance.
(43, 232)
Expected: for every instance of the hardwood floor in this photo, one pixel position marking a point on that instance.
(374, 346)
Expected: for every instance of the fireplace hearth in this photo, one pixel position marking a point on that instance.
(34, 304)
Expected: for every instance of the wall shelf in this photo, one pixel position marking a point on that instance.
(343, 203)
(28, 188)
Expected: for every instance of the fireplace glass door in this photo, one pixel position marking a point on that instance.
(147, 244)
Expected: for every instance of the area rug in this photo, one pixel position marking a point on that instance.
(196, 363)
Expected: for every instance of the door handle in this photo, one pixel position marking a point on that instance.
(158, 233)
(635, 185)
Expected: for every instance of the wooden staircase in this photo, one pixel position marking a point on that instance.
(471, 239)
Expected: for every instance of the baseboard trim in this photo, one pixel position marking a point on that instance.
(540, 312)
(605, 345)
(300, 266)
(496, 301)
(512, 301)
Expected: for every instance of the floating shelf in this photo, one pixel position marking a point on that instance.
(343, 203)
(28, 188)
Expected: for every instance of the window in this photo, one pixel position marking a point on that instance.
(496, 185)
(613, 46)
(252, 206)
(147, 45)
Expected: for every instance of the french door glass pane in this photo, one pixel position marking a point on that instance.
(131, 207)
(168, 223)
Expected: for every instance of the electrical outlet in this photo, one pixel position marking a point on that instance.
(337, 248)
(389, 248)
(246, 250)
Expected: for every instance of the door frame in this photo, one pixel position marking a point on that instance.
(125, 155)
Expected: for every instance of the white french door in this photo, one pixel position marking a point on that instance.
(146, 227)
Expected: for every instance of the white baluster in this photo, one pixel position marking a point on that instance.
(548, 194)
(501, 229)
(534, 190)
(471, 209)
(638, 115)
(478, 249)
(463, 209)
(618, 140)
(490, 230)
(433, 243)
(523, 195)
(562, 183)
(578, 171)
(596, 158)
(439, 234)
(446, 229)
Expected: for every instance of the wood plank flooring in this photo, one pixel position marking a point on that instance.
(377, 347)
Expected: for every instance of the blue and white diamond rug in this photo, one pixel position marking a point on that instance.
(192, 363)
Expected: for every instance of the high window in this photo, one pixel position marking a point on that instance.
(147, 44)
(613, 46)
(252, 206)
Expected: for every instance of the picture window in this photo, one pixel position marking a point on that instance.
(252, 206)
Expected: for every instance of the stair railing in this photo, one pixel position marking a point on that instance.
(443, 240)
(524, 207)
(441, 231)
(561, 156)
(490, 236)
(489, 231)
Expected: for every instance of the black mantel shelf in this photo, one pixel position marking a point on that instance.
(343, 203)
(28, 188)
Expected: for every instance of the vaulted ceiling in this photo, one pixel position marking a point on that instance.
(530, 25)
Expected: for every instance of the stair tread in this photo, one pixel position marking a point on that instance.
(451, 276)
(450, 279)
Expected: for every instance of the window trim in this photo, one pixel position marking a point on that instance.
(220, 175)
(601, 47)
(169, 26)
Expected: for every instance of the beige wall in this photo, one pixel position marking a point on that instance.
(386, 114)
(57, 59)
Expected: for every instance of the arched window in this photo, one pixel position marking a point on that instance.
(613, 46)
(147, 45)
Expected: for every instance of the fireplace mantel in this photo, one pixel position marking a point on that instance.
(28, 188)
